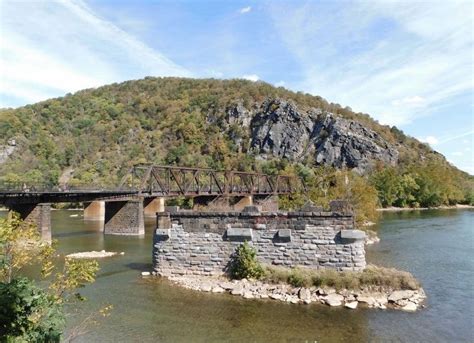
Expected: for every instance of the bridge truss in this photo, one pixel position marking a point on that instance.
(184, 181)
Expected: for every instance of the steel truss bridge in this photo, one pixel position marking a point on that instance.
(158, 181)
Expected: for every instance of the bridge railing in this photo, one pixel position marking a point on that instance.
(9, 187)
(172, 180)
(175, 181)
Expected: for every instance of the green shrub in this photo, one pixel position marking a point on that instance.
(296, 280)
(244, 263)
(29, 314)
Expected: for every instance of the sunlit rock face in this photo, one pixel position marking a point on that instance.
(279, 129)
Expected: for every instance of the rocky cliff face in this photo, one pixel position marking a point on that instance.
(7, 150)
(279, 129)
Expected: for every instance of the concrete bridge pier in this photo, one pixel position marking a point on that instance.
(242, 202)
(37, 214)
(211, 203)
(94, 210)
(268, 203)
(153, 205)
(124, 218)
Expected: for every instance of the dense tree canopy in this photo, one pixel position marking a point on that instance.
(97, 134)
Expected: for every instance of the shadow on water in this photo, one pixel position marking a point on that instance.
(73, 234)
(419, 214)
(140, 266)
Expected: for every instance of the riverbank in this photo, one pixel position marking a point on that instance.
(453, 207)
(406, 300)
(371, 237)
(375, 287)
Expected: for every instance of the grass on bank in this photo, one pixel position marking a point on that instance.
(244, 264)
(370, 277)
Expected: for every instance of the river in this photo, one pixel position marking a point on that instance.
(436, 246)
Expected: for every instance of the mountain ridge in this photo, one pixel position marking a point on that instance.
(220, 124)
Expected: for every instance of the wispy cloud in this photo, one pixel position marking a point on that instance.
(245, 10)
(51, 48)
(458, 136)
(411, 101)
(393, 60)
(432, 140)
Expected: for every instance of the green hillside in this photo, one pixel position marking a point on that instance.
(96, 134)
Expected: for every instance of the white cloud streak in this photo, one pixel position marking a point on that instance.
(245, 10)
(452, 138)
(394, 60)
(51, 48)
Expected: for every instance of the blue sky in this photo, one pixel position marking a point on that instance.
(406, 63)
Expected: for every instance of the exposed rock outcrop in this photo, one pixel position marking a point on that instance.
(7, 150)
(279, 129)
(344, 143)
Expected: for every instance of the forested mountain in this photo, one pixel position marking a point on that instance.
(94, 135)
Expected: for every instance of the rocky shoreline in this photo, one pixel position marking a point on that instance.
(371, 237)
(443, 207)
(406, 300)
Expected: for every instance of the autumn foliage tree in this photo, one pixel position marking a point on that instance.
(28, 312)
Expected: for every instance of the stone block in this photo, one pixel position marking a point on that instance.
(251, 209)
(172, 209)
(284, 235)
(352, 235)
(162, 234)
(239, 234)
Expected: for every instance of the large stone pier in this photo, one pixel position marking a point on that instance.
(202, 243)
(37, 214)
(124, 218)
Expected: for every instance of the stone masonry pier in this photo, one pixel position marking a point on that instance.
(202, 243)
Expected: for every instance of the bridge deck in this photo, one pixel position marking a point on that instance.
(160, 181)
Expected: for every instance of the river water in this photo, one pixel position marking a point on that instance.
(436, 246)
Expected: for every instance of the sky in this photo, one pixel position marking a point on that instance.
(406, 63)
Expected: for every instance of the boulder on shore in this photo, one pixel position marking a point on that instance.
(334, 299)
(399, 295)
(407, 300)
(351, 304)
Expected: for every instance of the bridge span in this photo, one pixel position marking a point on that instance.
(143, 190)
